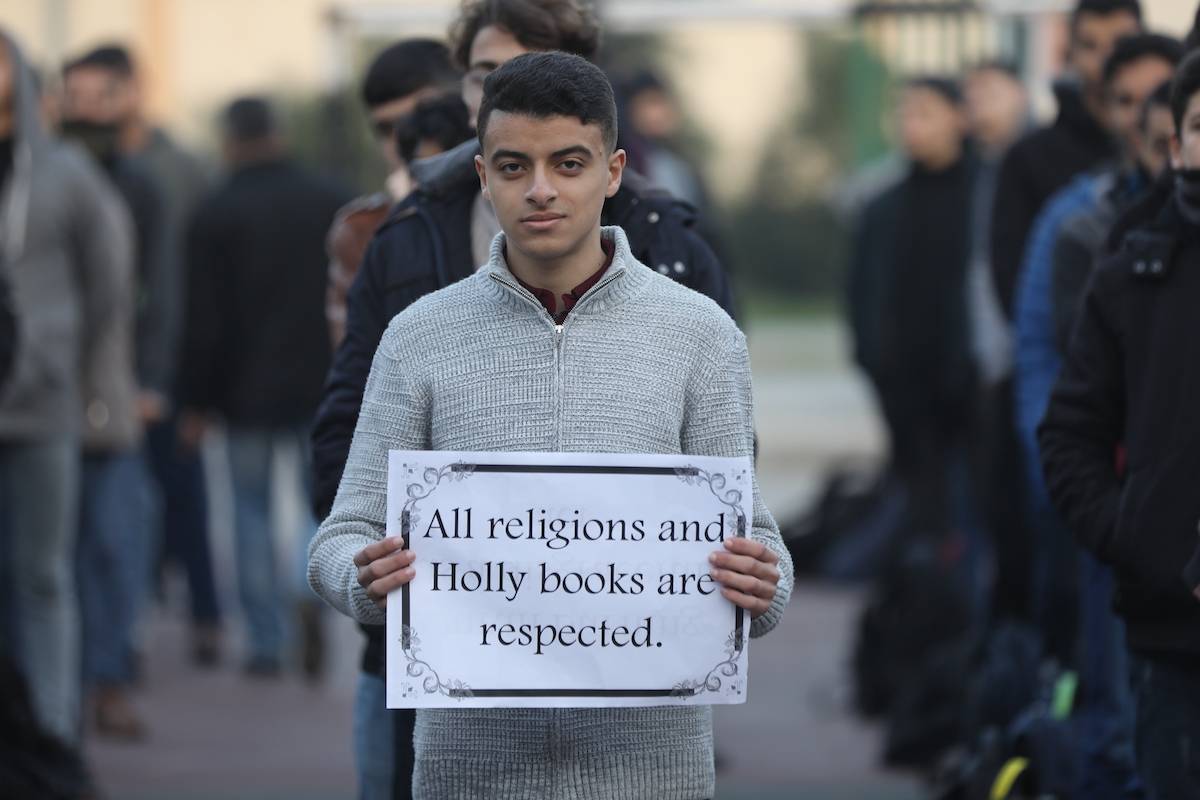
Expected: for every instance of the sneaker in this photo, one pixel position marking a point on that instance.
(312, 638)
(206, 645)
(116, 716)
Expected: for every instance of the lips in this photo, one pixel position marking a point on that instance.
(543, 221)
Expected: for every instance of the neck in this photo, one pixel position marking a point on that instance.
(559, 275)
(942, 161)
(135, 136)
(1093, 103)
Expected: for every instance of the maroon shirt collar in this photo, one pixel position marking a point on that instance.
(550, 302)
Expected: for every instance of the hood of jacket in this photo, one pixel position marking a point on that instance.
(28, 139)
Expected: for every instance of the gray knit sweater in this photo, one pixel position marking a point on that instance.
(641, 365)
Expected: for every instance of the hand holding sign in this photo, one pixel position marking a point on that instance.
(748, 574)
(381, 569)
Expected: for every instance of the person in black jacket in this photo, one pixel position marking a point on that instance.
(908, 300)
(1131, 382)
(1045, 160)
(442, 233)
(8, 331)
(255, 344)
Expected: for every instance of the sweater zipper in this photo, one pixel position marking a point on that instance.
(560, 335)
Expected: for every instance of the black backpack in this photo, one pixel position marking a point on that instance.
(918, 605)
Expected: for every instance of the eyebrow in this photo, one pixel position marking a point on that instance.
(573, 150)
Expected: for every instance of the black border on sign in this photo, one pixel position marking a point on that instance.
(739, 616)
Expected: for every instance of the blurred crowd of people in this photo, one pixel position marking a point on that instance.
(1007, 260)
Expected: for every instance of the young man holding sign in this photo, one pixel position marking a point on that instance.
(563, 342)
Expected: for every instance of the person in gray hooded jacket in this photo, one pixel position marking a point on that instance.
(66, 247)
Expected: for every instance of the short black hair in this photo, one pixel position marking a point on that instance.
(1129, 49)
(946, 88)
(112, 57)
(1105, 8)
(1185, 84)
(249, 119)
(406, 67)
(551, 85)
(443, 118)
(566, 25)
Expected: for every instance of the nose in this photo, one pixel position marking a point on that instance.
(541, 191)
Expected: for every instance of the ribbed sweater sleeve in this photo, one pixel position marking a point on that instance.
(394, 416)
(719, 421)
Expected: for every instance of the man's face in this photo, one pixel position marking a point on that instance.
(99, 95)
(931, 127)
(1092, 41)
(1127, 94)
(653, 114)
(996, 107)
(1154, 140)
(547, 179)
(1185, 146)
(491, 47)
(386, 116)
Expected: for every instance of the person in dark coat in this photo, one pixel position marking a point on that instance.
(256, 348)
(442, 233)
(1045, 160)
(908, 299)
(8, 330)
(1131, 381)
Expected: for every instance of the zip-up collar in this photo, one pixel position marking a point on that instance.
(624, 279)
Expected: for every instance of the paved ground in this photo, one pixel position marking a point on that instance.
(218, 736)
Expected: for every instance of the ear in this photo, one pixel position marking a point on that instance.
(1176, 152)
(481, 171)
(616, 169)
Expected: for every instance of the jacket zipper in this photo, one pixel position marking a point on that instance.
(560, 335)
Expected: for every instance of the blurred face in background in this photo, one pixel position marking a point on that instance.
(931, 127)
(386, 116)
(1154, 139)
(100, 96)
(491, 47)
(1185, 147)
(654, 114)
(997, 107)
(1127, 94)
(1092, 40)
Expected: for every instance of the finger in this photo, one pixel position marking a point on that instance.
(379, 590)
(383, 567)
(746, 584)
(749, 547)
(377, 550)
(746, 565)
(755, 605)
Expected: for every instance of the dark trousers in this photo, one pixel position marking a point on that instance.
(1005, 505)
(183, 516)
(1167, 701)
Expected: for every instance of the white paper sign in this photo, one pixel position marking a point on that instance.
(565, 580)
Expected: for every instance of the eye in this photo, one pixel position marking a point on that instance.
(572, 165)
(510, 168)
